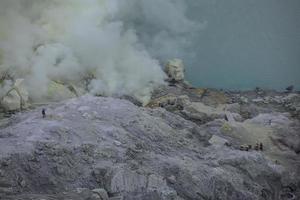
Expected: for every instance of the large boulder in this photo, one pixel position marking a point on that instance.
(175, 70)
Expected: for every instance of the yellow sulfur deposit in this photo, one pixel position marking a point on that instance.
(200, 91)
(226, 127)
(58, 91)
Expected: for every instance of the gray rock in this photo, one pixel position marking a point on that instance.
(138, 153)
(101, 193)
(6, 190)
(117, 198)
(216, 140)
(126, 181)
(85, 193)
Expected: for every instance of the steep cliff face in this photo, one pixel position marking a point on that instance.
(108, 148)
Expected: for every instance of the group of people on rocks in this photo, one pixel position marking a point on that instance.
(258, 147)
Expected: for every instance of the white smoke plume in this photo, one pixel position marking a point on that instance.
(70, 40)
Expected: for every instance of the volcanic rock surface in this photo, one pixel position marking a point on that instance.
(185, 145)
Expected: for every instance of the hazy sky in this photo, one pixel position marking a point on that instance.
(234, 43)
(247, 43)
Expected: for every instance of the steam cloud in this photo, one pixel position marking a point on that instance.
(118, 44)
(70, 40)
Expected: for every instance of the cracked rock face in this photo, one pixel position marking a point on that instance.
(16, 97)
(100, 148)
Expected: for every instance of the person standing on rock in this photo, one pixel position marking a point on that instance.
(44, 113)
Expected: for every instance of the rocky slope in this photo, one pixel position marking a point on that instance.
(186, 144)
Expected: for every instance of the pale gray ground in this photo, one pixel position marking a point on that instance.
(108, 148)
